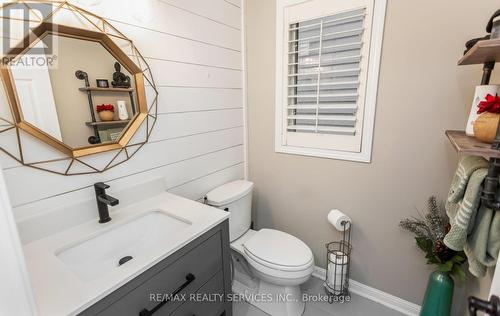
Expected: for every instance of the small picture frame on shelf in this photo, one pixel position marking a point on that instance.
(102, 83)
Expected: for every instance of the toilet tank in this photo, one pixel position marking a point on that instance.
(236, 198)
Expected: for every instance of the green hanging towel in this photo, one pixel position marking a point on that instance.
(475, 229)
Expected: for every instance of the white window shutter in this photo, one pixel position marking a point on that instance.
(322, 81)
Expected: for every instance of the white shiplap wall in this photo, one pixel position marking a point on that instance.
(194, 48)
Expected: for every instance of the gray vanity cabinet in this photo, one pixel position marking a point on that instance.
(199, 273)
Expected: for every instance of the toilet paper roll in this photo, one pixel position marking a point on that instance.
(336, 278)
(337, 271)
(336, 218)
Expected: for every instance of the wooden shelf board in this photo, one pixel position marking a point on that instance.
(106, 89)
(482, 52)
(469, 145)
(104, 123)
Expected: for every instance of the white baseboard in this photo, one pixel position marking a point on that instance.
(386, 299)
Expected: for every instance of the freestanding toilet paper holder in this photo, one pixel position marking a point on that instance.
(338, 258)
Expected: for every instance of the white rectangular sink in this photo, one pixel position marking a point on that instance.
(141, 238)
(75, 268)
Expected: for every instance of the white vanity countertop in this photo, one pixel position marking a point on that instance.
(59, 291)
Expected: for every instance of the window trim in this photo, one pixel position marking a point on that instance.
(377, 33)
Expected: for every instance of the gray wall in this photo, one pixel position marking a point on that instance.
(422, 93)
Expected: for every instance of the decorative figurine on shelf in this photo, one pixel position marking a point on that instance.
(106, 112)
(120, 80)
(485, 126)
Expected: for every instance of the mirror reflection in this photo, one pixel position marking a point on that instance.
(85, 98)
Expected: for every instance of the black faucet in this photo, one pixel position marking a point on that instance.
(103, 200)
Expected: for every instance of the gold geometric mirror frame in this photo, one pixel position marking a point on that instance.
(28, 144)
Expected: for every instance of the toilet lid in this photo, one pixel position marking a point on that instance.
(229, 192)
(278, 249)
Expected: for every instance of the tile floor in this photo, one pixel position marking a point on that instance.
(358, 306)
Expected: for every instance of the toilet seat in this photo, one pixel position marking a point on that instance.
(280, 277)
(274, 266)
(278, 250)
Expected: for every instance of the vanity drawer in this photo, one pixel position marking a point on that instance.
(208, 301)
(203, 262)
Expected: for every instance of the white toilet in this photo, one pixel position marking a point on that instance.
(280, 261)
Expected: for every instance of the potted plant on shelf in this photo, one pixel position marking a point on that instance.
(106, 112)
(485, 126)
(429, 231)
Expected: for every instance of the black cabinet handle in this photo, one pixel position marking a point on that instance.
(189, 278)
(491, 307)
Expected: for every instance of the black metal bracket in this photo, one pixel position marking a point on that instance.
(489, 194)
(491, 307)
(487, 70)
(82, 75)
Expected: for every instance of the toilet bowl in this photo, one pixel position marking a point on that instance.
(279, 261)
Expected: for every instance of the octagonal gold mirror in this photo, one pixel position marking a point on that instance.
(75, 84)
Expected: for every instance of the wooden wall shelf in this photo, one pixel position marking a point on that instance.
(483, 52)
(106, 89)
(470, 146)
(107, 123)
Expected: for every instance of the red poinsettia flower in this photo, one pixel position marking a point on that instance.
(490, 104)
(105, 107)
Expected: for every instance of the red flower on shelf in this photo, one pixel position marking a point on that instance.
(105, 107)
(491, 104)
